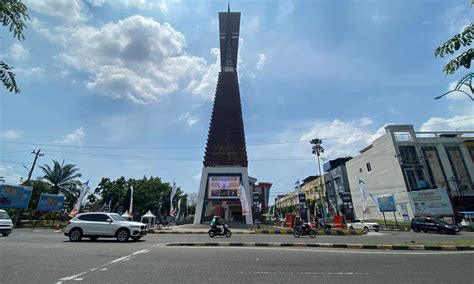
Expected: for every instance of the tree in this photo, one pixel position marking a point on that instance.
(12, 14)
(317, 148)
(464, 59)
(63, 179)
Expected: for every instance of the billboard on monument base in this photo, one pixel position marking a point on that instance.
(431, 202)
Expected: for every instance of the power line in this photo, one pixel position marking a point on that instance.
(201, 147)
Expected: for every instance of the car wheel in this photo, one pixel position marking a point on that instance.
(366, 230)
(75, 235)
(5, 234)
(123, 235)
(136, 238)
(425, 231)
(416, 230)
(93, 239)
(351, 228)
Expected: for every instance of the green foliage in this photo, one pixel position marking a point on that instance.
(12, 14)
(454, 44)
(148, 193)
(63, 179)
(317, 142)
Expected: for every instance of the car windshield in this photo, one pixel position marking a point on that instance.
(117, 217)
(4, 216)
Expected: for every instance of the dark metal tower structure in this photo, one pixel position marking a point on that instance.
(226, 138)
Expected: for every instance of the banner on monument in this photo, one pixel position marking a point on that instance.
(224, 187)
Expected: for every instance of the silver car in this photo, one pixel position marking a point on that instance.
(96, 225)
(6, 224)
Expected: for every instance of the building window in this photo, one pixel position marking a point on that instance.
(403, 137)
(360, 170)
(369, 168)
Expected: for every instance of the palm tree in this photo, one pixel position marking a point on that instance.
(317, 143)
(63, 178)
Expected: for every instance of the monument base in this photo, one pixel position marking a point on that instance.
(230, 208)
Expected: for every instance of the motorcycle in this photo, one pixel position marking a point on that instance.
(304, 230)
(215, 231)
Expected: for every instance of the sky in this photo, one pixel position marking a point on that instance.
(126, 87)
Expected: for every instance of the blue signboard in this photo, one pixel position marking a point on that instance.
(12, 196)
(50, 202)
(386, 203)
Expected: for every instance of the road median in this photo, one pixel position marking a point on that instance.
(326, 245)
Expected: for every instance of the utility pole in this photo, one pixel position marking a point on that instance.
(37, 154)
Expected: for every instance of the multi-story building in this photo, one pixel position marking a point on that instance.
(337, 188)
(402, 160)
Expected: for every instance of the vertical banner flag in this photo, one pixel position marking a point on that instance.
(78, 204)
(243, 200)
(179, 206)
(130, 209)
(297, 186)
(363, 196)
(173, 192)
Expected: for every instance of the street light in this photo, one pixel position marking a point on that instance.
(463, 81)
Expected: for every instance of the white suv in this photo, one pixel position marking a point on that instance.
(104, 225)
(6, 224)
(366, 226)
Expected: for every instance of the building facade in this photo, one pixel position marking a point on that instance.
(402, 161)
(337, 188)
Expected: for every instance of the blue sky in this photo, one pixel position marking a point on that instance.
(125, 88)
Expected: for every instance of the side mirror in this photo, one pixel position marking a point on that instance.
(109, 220)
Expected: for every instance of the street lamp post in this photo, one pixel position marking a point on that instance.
(465, 81)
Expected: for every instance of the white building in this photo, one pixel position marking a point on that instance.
(401, 161)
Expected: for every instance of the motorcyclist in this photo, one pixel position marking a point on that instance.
(217, 224)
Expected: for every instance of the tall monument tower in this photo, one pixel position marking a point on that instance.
(225, 161)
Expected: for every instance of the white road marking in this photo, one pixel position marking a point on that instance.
(347, 251)
(102, 267)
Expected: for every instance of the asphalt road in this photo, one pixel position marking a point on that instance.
(42, 256)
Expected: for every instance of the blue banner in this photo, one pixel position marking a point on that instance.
(50, 202)
(12, 196)
(386, 203)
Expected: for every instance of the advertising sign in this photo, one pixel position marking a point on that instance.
(224, 187)
(50, 202)
(404, 210)
(386, 203)
(12, 196)
(431, 202)
(302, 198)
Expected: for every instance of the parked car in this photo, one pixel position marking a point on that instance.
(6, 224)
(427, 224)
(96, 225)
(366, 226)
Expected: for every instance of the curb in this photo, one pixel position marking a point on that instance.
(197, 232)
(325, 245)
(334, 232)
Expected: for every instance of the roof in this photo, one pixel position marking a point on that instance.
(149, 215)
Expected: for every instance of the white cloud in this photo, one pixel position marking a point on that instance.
(261, 61)
(96, 3)
(190, 119)
(393, 111)
(18, 52)
(139, 4)
(73, 138)
(10, 134)
(137, 59)
(197, 177)
(343, 138)
(8, 173)
(460, 122)
(285, 8)
(32, 71)
(206, 87)
(66, 10)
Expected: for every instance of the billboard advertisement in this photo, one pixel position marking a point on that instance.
(224, 187)
(386, 203)
(50, 202)
(431, 202)
(12, 196)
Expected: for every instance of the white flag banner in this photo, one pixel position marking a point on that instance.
(173, 192)
(243, 200)
(77, 206)
(363, 195)
(130, 209)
